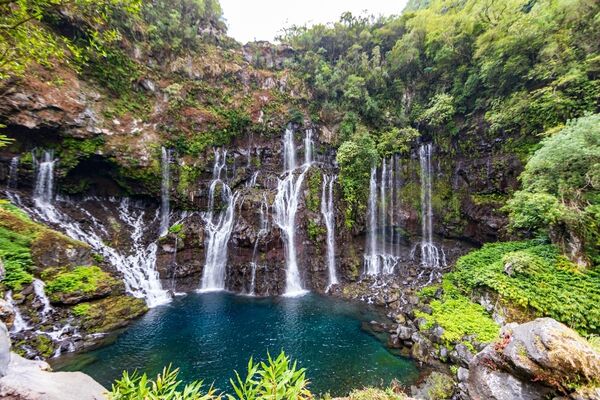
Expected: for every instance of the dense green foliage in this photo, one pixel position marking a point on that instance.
(536, 277)
(458, 316)
(275, 378)
(23, 39)
(15, 252)
(452, 69)
(561, 189)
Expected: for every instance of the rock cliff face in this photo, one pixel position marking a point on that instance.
(105, 152)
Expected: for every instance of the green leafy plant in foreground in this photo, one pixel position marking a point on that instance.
(165, 387)
(273, 379)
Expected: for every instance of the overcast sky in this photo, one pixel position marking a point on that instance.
(262, 19)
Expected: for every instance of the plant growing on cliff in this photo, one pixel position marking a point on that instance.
(24, 40)
(356, 157)
(561, 190)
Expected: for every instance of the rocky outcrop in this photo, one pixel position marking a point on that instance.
(22, 379)
(534, 360)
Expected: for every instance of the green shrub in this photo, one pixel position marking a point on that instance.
(15, 252)
(164, 387)
(541, 280)
(274, 379)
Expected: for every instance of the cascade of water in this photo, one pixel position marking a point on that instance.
(309, 146)
(43, 192)
(13, 173)
(218, 227)
(164, 190)
(137, 266)
(371, 258)
(328, 213)
(263, 231)
(430, 254)
(286, 206)
(38, 288)
(383, 252)
(252, 182)
(19, 324)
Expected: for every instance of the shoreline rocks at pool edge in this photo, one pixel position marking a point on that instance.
(22, 379)
(537, 360)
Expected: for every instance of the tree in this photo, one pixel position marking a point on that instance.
(25, 39)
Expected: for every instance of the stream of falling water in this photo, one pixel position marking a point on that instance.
(263, 231)
(286, 207)
(328, 212)
(383, 242)
(431, 256)
(219, 225)
(13, 173)
(19, 324)
(164, 190)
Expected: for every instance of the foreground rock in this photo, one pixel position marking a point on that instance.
(533, 361)
(23, 379)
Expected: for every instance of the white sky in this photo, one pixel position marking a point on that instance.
(262, 19)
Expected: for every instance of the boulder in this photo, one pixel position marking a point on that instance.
(7, 312)
(532, 361)
(4, 350)
(31, 380)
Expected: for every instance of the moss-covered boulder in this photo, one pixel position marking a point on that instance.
(109, 313)
(79, 284)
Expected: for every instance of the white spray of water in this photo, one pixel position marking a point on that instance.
(218, 227)
(328, 212)
(38, 288)
(431, 256)
(164, 190)
(286, 207)
(13, 173)
(263, 231)
(19, 324)
(43, 192)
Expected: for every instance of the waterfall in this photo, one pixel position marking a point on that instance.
(286, 206)
(218, 227)
(252, 182)
(137, 264)
(430, 254)
(43, 192)
(164, 190)
(40, 294)
(329, 216)
(19, 324)
(263, 231)
(309, 146)
(13, 173)
(383, 242)
(371, 258)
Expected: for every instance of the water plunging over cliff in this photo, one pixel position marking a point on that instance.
(431, 256)
(43, 192)
(309, 145)
(13, 173)
(262, 232)
(40, 294)
(136, 263)
(219, 225)
(328, 212)
(19, 323)
(286, 206)
(383, 249)
(164, 190)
